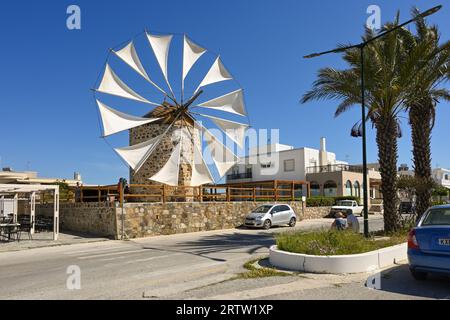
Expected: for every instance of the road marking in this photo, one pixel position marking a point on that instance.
(92, 250)
(110, 254)
(109, 265)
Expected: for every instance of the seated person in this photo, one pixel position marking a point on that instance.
(352, 221)
(340, 223)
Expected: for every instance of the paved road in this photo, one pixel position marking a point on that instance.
(195, 265)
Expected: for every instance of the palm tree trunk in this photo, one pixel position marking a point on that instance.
(420, 119)
(387, 132)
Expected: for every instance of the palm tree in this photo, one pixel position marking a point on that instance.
(430, 63)
(385, 82)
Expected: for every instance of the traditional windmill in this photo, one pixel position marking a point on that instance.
(165, 144)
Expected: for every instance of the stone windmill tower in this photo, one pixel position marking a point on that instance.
(165, 145)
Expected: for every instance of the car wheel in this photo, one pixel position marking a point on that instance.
(292, 222)
(418, 275)
(267, 224)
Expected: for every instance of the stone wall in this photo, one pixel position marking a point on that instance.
(91, 218)
(151, 219)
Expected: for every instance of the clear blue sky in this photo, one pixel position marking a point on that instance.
(49, 121)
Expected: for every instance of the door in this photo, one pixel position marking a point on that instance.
(285, 214)
(276, 215)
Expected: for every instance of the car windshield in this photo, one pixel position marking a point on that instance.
(345, 203)
(262, 209)
(437, 217)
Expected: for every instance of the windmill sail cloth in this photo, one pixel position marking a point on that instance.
(200, 171)
(137, 154)
(169, 173)
(216, 73)
(191, 53)
(111, 84)
(161, 46)
(223, 157)
(234, 130)
(129, 55)
(115, 121)
(232, 102)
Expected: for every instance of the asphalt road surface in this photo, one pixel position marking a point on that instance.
(192, 266)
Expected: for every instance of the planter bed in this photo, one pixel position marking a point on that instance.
(351, 263)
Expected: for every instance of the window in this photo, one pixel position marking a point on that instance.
(315, 188)
(437, 217)
(284, 208)
(289, 165)
(330, 189)
(266, 165)
(446, 177)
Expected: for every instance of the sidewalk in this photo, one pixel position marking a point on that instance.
(45, 239)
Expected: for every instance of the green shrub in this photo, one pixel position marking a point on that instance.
(319, 201)
(357, 199)
(327, 201)
(331, 242)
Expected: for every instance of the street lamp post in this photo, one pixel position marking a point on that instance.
(363, 110)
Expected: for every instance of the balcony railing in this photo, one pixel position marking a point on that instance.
(334, 168)
(237, 176)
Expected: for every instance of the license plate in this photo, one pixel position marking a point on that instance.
(444, 242)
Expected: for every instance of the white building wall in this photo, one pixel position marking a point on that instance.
(302, 157)
(442, 176)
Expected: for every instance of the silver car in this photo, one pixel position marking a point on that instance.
(269, 215)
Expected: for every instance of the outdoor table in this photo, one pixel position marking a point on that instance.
(8, 227)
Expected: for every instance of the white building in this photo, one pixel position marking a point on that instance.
(442, 177)
(280, 162)
(8, 176)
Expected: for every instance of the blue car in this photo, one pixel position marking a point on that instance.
(429, 243)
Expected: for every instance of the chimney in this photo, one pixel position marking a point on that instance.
(323, 144)
(323, 155)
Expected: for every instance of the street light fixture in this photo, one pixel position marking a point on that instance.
(363, 110)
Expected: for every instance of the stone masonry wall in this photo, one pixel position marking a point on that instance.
(151, 219)
(143, 220)
(91, 218)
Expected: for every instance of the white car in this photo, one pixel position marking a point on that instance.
(345, 206)
(268, 215)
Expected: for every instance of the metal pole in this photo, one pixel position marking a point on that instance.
(363, 114)
(122, 191)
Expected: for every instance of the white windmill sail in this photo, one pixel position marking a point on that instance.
(129, 55)
(115, 121)
(223, 157)
(170, 171)
(216, 73)
(111, 84)
(191, 53)
(137, 154)
(200, 171)
(161, 46)
(232, 102)
(234, 130)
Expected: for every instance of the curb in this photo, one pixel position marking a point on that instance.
(353, 263)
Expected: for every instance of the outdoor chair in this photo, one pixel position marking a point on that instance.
(25, 227)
